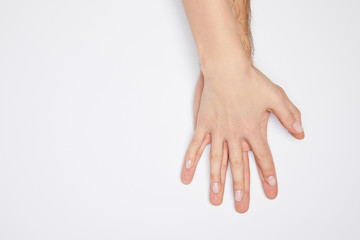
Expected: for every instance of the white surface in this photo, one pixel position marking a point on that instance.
(95, 118)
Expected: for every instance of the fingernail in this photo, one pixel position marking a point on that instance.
(215, 187)
(297, 126)
(271, 180)
(188, 163)
(238, 195)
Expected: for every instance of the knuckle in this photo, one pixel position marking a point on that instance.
(264, 158)
(280, 89)
(191, 154)
(207, 139)
(289, 118)
(261, 156)
(214, 176)
(196, 141)
(236, 163)
(250, 130)
(267, 168)
(278, 95)
(216, 125)
(233, 132)
(215, 156)
(238, 185)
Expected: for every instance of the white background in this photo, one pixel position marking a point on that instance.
(96, 115)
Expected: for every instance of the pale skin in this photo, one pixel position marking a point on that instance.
(233, 102)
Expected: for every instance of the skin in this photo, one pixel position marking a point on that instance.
(242, 13)
(233, 101)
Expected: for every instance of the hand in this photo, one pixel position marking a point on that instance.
(243, 129)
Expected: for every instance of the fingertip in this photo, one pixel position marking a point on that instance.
(271, 193)
(270, 187)
(185, 180)
(215, 199)
(298, 136)
(192, 157)
(297, 126)
(186, 177)
(243, 205)
(216, 204)
(242, 210)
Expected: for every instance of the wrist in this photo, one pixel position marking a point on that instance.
(216, 64)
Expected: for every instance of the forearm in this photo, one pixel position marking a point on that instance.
(215, 31)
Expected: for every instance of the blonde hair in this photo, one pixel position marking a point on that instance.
(242, 12)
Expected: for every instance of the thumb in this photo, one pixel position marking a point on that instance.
(290, 120)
